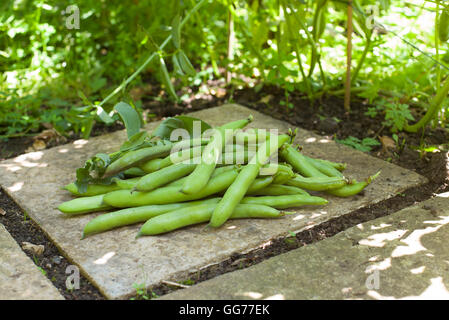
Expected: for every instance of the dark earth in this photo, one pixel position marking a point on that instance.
(326, 117)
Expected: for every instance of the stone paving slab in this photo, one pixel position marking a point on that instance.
(20, 279)
(114, 261)
(401, 256)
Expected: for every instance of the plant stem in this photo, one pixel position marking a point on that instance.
(213, 56)
(362, 59)
(437, 41)
(309, 36)
(347, 101)
(230, 41)
(151, 57)
(437, 49)
(435, 106)
(298, 52)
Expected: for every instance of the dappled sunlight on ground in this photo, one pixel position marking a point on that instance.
(382, 265)
(380, 239)
(16, 186)
(299, 217)
(80, 143)
(435, 291)
(443, 195)
(252, 295)
(310, 140)
(104, 259)
(275, 297)
(28, 160)
(420, 248)
(260, 296)
(313, 139)
(413, 241)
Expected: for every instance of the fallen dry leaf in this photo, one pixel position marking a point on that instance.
(387, 143)
(218, 92)
(266, 99)
(33, 248)
(2, 212)
(48, 135)
(39, 145)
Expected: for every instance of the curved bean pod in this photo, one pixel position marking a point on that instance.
(288, 201)
(325, 168)
(84, 205)
(283, 174)
(193, 215)
(161, 177)
(133, 158)
(353, 189)
(299, 162)
(317, 183)
(217, 172)
(126, 184)
(131, 216)
(277, 190)
(245, 178)
(92, 189)
(134, 172)
(201, 175)
(260, 183)
(156, 164)
(337, 165)
(169, 194)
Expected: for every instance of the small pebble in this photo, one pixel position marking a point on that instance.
(56, 259)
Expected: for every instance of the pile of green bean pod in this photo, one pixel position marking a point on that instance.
(225, 176)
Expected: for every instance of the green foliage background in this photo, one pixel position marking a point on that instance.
(47, 70)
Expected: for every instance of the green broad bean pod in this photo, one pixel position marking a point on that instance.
(161, 177)
(202, 213)
(201, 175)
(317, 183)
(130, 216)
(169, 194)
(245, 178)
(354, 188)
(84, 205)
(287, 201)
(136, 157)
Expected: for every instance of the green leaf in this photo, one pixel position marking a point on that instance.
(186, 66)
(166, 127)
(166, 79)
(176, 31)
(370, 142)
(177, 66)
(134, 141)
(87, 127)
(130, 118)
(103, 115)
(84, 98)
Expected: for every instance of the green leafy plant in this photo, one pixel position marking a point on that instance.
(365, 145)
(142, 292)
(397, 115)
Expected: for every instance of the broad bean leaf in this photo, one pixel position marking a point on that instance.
(167, 126)
(130, 118)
